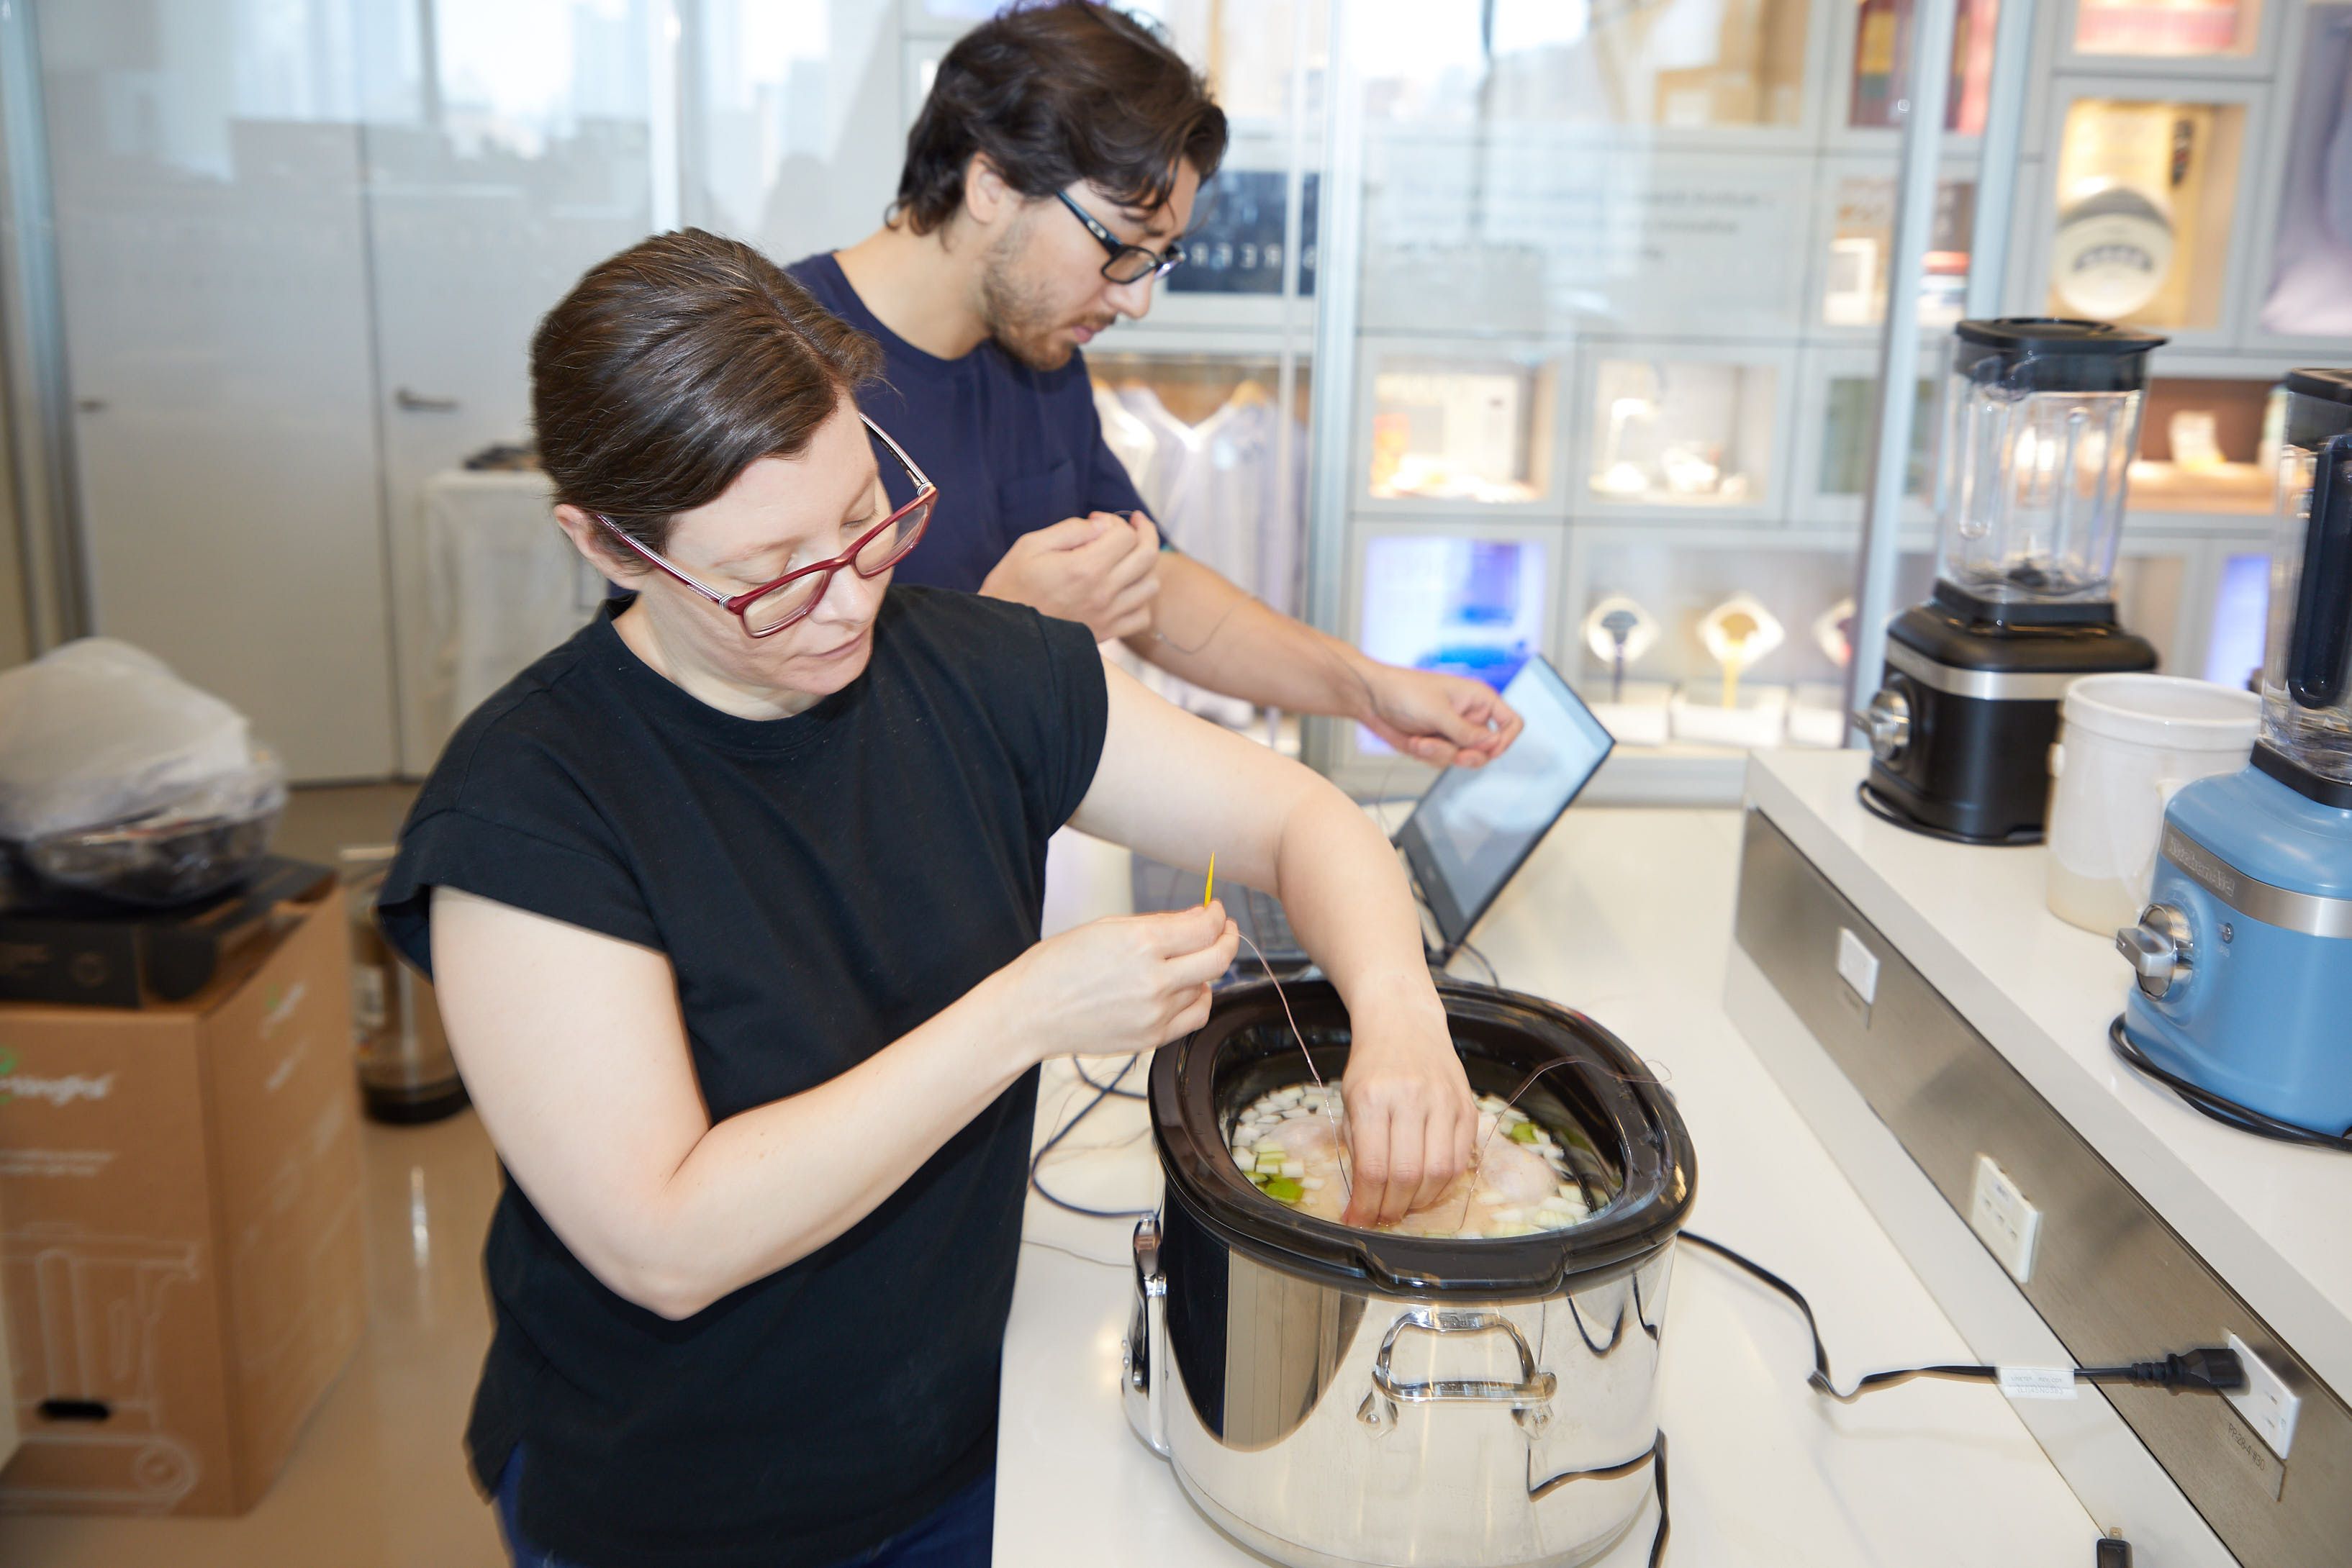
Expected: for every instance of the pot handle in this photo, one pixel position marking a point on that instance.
(1144, 1352)
(1530, 1399)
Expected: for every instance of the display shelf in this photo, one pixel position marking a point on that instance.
(1798, 576)
(1837, 416)
(2203, 38)
(1475, 599)
(2143, 221)
(2298, 297)
(1199, 437)
(1705, 72)
(1459, 426)
(1854, 241)
(1870, 53)
(1239, 244)
(1804, 581)
(1669, 431)
(2163, 583)
(2208, 446)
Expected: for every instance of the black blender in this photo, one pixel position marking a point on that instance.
(2041, 425)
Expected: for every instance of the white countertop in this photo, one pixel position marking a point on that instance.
(1627, 916)
(2273, 1219)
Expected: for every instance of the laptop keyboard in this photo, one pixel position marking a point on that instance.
(1157, 886)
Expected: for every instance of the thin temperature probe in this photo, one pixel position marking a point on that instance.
(1346, 1187)
(1037, 1160)
(2208, 1370)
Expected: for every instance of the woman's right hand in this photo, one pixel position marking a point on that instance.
(1128, 984)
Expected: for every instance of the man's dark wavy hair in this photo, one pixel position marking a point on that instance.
(1055, 94)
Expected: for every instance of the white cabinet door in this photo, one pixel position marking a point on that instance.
(501, 164)
(206, 159)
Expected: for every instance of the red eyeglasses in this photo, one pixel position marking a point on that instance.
(773, 606)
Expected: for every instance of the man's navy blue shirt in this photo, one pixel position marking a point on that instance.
(1012, 449)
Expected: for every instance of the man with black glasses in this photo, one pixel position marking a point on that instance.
(1048, 183)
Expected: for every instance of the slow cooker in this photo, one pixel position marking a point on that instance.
(1329, 1395)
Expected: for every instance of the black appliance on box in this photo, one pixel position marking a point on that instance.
(82, 949)
(2041, 425)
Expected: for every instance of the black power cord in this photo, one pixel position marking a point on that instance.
(1102, 1093)
(1079, 1066)
(1655, 1456)
(2207, 1370)
(2227, 1111)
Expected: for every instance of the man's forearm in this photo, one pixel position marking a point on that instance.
(1206, 631)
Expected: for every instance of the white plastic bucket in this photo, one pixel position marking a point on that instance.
(2127, 744)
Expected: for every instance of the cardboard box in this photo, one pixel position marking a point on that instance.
(180, 1246)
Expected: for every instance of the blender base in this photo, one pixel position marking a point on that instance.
(2227, 1111)
(1889, 812)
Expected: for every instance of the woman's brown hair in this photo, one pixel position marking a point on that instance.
(673, 366)
(1054, 95)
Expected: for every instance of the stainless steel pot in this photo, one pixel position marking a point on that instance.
(1331, 1396)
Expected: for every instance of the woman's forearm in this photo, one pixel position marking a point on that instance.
(1350, 904)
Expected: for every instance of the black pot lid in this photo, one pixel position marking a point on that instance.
(1246, 1047)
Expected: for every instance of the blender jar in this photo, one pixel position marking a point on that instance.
(2041, 422)
(2307, 654)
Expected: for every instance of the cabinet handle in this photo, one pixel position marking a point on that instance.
(413, 403)
(89, 405)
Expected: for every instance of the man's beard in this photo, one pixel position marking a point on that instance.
(1016, 312)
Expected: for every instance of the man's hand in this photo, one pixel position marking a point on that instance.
(1099, 570)
(1444, 720)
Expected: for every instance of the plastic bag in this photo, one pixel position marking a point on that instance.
(119, 777)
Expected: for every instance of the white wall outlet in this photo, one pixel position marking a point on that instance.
(2269, 1405)
(1857, 966)
(2003, 1220)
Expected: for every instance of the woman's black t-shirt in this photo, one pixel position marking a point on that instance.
(821, 884)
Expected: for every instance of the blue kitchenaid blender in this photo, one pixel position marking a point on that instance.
(2243, 955)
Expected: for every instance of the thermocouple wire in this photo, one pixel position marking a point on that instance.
(1323, 1093)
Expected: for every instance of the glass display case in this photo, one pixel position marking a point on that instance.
(2307, 292)
(1666, 430)
(2240, 617)
(2144, 191)
(1202, 438)
(1860, 210)
(1675, 63)
(1837, 422)
(1753, 634)
(1464, 598)
(2200, 30)
(1880, 80)
(1477, 426)
(2209, 446)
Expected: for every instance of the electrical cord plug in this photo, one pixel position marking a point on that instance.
(2206, 1370)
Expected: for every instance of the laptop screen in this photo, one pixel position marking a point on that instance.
(1477, 826)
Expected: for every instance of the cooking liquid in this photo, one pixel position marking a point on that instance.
(1289, 1143)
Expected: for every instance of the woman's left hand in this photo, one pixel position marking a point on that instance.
(1411, 1119)
(1443, 720)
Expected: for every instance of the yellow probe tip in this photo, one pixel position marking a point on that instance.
(1209, 889)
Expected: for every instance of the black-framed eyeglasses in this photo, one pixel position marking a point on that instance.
(1128, 263)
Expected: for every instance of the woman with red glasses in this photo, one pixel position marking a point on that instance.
(733, 906)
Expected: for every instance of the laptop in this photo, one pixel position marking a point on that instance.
(1466, 838)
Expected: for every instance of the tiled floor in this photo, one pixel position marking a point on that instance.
(378, 1479)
